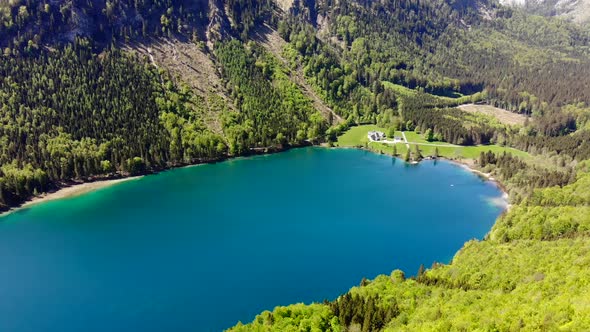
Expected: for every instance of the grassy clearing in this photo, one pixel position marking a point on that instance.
(400, 89)
(413, 137)
(388, 148)
(357, 136)
(407, 92)
(474, 151)
(504, 116)
(459, 152)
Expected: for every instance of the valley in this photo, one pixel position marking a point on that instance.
(117, 89)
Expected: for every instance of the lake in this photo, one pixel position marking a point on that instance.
(200, 248)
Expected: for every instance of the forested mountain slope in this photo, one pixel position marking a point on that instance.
(92, 89)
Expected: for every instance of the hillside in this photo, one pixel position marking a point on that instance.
(100, 89)
(530, 274)
(576, 10)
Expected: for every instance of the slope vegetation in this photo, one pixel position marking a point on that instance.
(95, 89)
(531, 274)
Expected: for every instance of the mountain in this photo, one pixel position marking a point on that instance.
(94, 89)
(212, 79)
(575, 10)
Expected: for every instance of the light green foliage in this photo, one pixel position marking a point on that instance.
(531, 274)
(21, 181)
(459, 99)
(269, 103)
(522, 285)
(135, 165)
(106, 166)
(429, 135)
(297, 317)
(550, 213)
(182, 115)
(391, 132)
(540, 223)
(357, 136)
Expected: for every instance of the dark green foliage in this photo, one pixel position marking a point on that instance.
(576, 145)
(521, 178)
(272, 109)
(417, 153)
(66, 111)
(449, 123)
(70, 114)
(370, 314)
(247, 13)
(444, 49)
(28, 25)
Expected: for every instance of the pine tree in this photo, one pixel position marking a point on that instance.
(421, 271)
(418, 153)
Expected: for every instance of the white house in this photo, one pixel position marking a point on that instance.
(375, 135)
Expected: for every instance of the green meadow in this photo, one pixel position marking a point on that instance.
(403, 91)
(357, 136)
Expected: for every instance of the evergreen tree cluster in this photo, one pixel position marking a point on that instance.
(369, 314)
(29, 24)
(272, 109)
(71, 115)
(524, 64)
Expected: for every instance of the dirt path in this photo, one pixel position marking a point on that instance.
(406, 140)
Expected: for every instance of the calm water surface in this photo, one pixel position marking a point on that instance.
(200, 248)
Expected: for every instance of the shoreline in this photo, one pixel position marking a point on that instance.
(487, 177)
(463, 163)
(72, 190)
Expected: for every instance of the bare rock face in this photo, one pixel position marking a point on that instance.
(62, 21)
(575, 10)
(219, 27)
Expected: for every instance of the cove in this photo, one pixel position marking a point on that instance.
(200, 248)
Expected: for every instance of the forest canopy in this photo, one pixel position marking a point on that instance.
(77, 105)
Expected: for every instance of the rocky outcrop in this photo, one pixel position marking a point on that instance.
(575, 10)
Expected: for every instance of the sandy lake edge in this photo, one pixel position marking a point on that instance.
(76, 189)
(72, 190)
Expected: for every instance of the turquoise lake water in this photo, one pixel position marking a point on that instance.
(200, 248)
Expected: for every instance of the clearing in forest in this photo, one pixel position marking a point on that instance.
(273, 43)
(192, 66)
(504, 116)
(357, 136)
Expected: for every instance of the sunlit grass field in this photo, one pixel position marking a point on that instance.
(357, 136)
